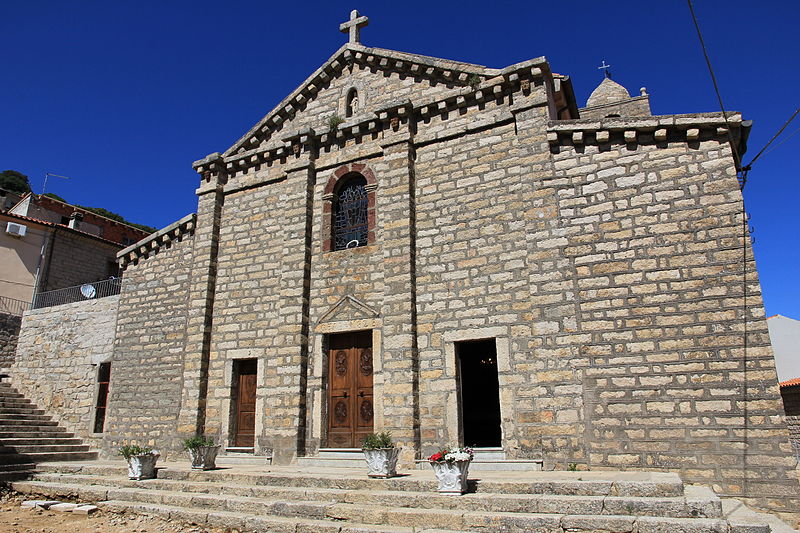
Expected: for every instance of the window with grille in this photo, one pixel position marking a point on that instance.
(350, 220)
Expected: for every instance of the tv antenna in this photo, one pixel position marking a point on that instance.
(47, 175)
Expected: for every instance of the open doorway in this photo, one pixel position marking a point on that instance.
(479, 392)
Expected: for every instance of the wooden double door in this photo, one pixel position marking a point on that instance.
(350, 407)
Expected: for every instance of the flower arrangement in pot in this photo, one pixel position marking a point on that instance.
(141, 461)
(202, 452)
(451, 466)
(380, 454)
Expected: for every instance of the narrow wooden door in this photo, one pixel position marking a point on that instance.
(245, 404)
(350, 410)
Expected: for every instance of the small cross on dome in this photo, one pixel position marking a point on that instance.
(353, 26)
(605, 68)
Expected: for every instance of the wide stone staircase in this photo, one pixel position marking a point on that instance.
(28, 436)
(345, 500)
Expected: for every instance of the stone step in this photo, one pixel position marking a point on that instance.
(14, 402)
(38, 457)
(24, 432)
(382, 515)
(5, 415)
(16, 467)
(20, 410)
(598, 483)
(332, 462)
(6, 423)
(243, 459)
(37, 448)
(697, 502)
(248, 522)
(37, 441)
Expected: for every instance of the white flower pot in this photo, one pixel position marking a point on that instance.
(452, 477)
(142, 466)
(381, 462)
(204, 457)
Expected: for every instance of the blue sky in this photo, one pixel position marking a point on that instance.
(122, 96)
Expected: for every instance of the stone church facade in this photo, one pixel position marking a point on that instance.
(459, 254)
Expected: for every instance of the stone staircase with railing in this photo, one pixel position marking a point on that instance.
(344, 500)
(28, 436)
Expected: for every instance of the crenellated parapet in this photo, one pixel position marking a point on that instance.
(151, 245)
(632, 131)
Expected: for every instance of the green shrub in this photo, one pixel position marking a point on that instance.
(375, 441)
(192, 443)
(334, 121)
(129, 450)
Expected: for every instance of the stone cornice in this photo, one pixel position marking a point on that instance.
(688, 128)
(151, 244)
(391, 115)
(386, 60)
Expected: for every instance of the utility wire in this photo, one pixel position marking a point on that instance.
(750, 164)
(736, 157)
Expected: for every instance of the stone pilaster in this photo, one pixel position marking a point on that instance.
(286, 372)
(396, 209)
(202, 284)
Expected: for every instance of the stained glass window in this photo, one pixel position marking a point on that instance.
(350, 222)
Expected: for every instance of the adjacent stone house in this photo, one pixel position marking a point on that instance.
(459, 254)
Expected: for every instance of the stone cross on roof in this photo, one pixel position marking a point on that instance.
(605, 68)
(353, 26)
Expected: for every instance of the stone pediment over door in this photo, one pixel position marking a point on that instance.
(348, 309)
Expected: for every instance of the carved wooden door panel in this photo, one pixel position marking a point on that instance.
(350, 408)
(246, 405)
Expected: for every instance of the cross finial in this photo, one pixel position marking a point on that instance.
(605, 68)
(353, 26)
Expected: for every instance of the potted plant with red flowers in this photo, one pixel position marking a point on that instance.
(380, 454)
(451, 466)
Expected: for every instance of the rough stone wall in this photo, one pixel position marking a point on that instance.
(259, 230)
(147, 368)
(74, 260)
(9, 332)
(57, 356)
(474, 193)
(660, 298)
(638, 106)
(791, 404)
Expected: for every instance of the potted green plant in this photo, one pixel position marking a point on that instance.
(380, 454)
(202, 451)
(451, 466)
(141, 461)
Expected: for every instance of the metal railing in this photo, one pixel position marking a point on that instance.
(11, 306)
(78, 293)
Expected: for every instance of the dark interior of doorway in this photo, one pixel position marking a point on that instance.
(480, 393)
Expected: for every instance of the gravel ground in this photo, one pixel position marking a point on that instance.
(16, 519)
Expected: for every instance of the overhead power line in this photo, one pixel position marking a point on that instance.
(736, 157)
(750, 164)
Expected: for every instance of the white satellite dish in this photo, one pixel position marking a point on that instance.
(88, 290)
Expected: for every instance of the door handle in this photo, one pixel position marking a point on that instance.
(361, 394)
(345, 395)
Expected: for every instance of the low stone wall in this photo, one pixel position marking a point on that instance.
(9, 332)
(58, 352)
